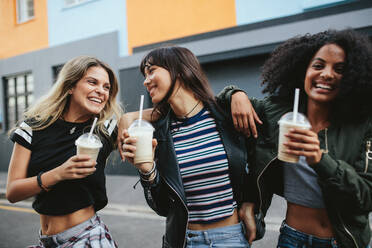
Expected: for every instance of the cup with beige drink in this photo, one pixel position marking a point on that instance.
(89, 143)
(286, 122)
(143, 132)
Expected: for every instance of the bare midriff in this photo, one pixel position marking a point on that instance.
(232, 220)
(312, 221)
(51, 225)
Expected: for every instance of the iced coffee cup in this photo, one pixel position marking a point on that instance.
(287, 122)
(88, 144)
(143, 131)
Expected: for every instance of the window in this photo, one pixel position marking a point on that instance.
(70, 3)
(25, 10)
(18, 95)
(55, 70)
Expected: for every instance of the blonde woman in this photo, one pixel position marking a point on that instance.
(69, 189)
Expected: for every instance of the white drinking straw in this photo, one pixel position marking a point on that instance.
(295, 105)
(140, 111)
(92, 128)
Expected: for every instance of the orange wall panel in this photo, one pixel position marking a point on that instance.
(151, 21)
(18, 38)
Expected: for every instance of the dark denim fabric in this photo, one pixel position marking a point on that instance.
(291, 238)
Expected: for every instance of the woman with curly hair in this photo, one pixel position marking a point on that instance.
(329, 191)
(69, 189)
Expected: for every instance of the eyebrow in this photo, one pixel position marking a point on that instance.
(322, 60)
(90, 77)
(317, 59)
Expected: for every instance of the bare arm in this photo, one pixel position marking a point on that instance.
(20, 187)
(243, 114)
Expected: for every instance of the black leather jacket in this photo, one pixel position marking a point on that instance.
(166, 195)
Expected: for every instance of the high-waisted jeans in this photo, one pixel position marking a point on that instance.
(228, 236)
(291, 238)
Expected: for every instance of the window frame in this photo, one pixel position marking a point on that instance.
(75, 3)
(16, 95)
(27, 17)
(55, 71)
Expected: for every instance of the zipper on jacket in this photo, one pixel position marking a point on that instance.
(368, 154)
(325, 141)
(187, 211)
(258, 179)
(347, 230)
(343, 225)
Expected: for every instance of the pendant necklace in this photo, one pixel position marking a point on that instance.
(186, 115)
(72, 130)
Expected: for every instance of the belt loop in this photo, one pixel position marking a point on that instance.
(206, 238)
(310, 240)
(94, 219)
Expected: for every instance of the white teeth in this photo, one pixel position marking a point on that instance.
(324, 86)
(97, 100)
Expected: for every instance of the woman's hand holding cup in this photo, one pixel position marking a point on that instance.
(129, 148)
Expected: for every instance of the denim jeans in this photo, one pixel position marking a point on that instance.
(291, 238)
(228, 236)
(91, 233)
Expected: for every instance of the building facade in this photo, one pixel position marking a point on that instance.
(232, 39)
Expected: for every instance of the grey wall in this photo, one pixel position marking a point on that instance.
(243, 72)
(131, 84)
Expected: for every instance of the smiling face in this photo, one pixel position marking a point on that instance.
(157, 82)
(324, 74)
(90, 94)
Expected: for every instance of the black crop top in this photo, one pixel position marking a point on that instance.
(50, 148)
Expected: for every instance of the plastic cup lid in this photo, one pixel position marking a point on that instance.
(144, 125)
(301, 119)
(93, 140)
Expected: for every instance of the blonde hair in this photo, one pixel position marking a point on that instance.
(53, 105)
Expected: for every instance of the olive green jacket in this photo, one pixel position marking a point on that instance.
(344, 172)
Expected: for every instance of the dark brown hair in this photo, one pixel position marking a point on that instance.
(182, 64)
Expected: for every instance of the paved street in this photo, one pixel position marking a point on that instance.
(129, 219)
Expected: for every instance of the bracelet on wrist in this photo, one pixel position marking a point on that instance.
(150, 178)
(147, 174)
(40, 183)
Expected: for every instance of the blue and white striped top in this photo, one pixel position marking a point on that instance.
(204, 168)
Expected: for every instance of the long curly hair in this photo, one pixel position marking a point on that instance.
(286, 68)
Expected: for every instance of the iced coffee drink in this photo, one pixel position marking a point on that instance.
(88, 144)
(285, 124)
(143, 131)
